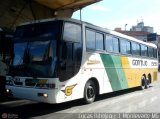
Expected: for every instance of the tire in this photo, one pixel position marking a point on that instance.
(143, 83)
(148, 81)
(89, 92)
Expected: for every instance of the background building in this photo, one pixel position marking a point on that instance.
(140, 27)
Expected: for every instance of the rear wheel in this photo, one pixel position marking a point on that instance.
(143, 83)
(148, 81)
(89, 92)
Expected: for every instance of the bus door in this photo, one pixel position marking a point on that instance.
(70, 59)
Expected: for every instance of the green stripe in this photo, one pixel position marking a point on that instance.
(115, 72)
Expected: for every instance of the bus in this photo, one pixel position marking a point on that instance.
(6, 48)
(59, 60)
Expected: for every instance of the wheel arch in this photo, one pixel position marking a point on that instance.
(144, 75)
(95, 81)
(150, 77)
(143, 79)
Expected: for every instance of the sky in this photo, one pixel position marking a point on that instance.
(116, 13)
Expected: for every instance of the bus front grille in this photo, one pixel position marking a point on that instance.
(30, 82)
(18, 83)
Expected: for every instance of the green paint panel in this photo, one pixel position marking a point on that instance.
(115, 72)
(120, 71)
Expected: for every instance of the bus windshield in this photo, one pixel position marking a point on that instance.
(35, 56)
(35, 59)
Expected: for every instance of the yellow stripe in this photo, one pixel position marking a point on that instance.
(133, 75)
(128, 71)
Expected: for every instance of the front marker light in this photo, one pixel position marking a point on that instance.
(45, 95)
(7, 90)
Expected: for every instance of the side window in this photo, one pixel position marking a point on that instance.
(144, 50)
(72, 32)
(112, 44)
(125, 47)
(109, 43)
(135, 49)
(77, 54)
(150, 52)
(155, 53)
(115, 45)
(128, 45)
(90, 40)
(99, 41)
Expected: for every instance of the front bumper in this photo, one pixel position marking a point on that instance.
(39, 95)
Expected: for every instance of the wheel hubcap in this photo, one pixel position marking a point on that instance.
(90, 92)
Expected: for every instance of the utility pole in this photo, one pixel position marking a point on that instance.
(80, 14)
(125, 27)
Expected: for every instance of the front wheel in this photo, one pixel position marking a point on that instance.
(89, 92)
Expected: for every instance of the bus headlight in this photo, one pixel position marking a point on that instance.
(43, 95)
(7, 90)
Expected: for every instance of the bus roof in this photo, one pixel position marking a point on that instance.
(51, 19)
(92, 26)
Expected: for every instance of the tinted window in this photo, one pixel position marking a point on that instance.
(70, 59)
(72, 32)
(144, 50)
(128, 45)
(115, 45)
(38, 57)
(112, 44)
(90, 39)
(150, 52)
(109, 43)
(155, 53)
(135, 48)
(99, 41)
(125, 47)
(38, 29)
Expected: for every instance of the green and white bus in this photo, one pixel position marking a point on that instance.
(59, 60)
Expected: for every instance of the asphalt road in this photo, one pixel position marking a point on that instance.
(128, 101)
